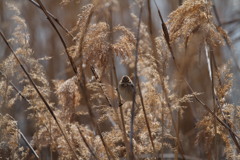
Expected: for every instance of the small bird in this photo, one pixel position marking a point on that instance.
(126, 88)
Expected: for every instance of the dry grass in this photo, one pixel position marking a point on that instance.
(183, 84)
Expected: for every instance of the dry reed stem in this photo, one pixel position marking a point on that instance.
(223, 123)
(214, 103)
(40, 95)
(140, 92)
(131, 156)
(114, 72)
(101, 87)
(166, 36)
(179, 144)
(127, 143)
(94, 122)
(15, 88)
(122, 125)
(24, 98)
(82, 84)
(198, 100)
(146, 119)
(165, 31)
(215, 98)
(59, 35)
(65, 47)
(75, 68)
(28, 144)
(54, 18)
(106, 97)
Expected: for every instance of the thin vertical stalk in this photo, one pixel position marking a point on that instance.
(82, 85)
(232, 134)
(214, 104)
(134, 89)
(166, 36)
(146, 118)
(162, 134)
(165, 93)
(110, 37)
(217, 103)
(127, 145)
(114, 73)
(102, 90)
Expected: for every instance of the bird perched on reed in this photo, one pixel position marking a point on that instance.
(126, 88)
